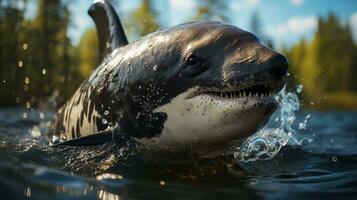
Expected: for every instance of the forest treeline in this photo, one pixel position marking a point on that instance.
(36, 57)
(326, 66)
(39, 64)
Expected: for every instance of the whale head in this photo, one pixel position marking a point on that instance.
(203, 83)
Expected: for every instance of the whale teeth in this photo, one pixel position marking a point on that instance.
(255, 91)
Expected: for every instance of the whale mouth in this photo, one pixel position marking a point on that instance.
(252, 91)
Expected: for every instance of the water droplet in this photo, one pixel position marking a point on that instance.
(155, 68)
(27, 80)
(104, 121)
(44, 71)
(42, 115)
(25, 46)
(28, 192)
(35, 132)
(55, 139)
(299, 88)
(28, 105)
(106, 112)
(334, 159)
(302, 125)
(20, 64)
(24, 115)
(107, 176)
(162, 183)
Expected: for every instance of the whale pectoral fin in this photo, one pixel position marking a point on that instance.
(115, 134)
(110, 31)
(89, 140)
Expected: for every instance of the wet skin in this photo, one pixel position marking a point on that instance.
(205, 83)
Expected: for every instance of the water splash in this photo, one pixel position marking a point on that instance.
(263, 145)
(267, 142)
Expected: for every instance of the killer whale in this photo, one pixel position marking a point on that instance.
(203, 83)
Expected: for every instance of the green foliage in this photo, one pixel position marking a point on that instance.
(37, 57)
(11, 67)
(211, 10)
(327, 64)
(143, 20)
(88, 52)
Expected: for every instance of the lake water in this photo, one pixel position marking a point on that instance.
(299, 155)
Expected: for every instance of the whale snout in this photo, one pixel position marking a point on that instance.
(278, 66)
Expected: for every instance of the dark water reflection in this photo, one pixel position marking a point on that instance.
(324, 168)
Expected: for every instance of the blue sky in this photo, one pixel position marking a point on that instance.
(285, 21)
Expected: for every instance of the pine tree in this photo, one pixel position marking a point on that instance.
(328, 64)
(11, 31)
(143, 20)
(88, 52)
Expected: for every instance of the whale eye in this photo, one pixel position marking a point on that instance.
(192, 60)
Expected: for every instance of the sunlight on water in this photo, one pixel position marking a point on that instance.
(267, 142)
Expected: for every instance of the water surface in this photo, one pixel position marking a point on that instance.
(317, 161)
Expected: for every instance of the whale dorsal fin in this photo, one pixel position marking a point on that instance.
(110, 31)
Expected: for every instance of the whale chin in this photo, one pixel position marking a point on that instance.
(212, 119)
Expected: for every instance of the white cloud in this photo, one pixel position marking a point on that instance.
(235, 6)
(297, 26)
(297, 2)
(353, 24)
(182, 4)
(252, 3)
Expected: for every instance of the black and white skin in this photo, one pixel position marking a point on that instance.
(201, 83)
